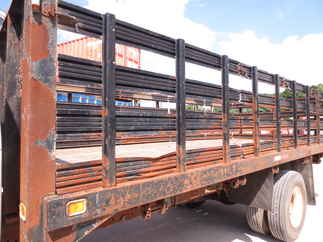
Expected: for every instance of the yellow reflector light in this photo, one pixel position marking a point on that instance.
(76, 207)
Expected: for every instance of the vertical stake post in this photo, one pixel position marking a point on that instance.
(109, 119)
(32, 59)
(295, 129)
(180, 105)
(225, 108)
(255, 107)
(318, 118)
(277, 109)
(308, 117)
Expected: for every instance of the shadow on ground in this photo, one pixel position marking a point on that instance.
(213, 222)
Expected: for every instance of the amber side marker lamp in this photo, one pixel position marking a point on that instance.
(76, 207)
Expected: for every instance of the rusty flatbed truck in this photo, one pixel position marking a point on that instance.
(70, 168)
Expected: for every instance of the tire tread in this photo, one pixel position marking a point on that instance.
(277, 223)
(257, 220)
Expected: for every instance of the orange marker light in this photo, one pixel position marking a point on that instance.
(76, 207)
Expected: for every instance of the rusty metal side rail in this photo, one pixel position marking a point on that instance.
(281, 129)
(82, 76)
(109, 201)
(31, 118)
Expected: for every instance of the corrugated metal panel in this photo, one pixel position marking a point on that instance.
(91, 48)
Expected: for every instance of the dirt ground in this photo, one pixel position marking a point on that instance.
(213, 222)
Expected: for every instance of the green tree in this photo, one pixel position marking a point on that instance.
(287, 93)
(318, 87)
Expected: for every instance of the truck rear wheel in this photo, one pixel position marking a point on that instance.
(289, 202)
(257, 220)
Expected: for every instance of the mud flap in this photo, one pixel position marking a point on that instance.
(257, 192)
(306, 169)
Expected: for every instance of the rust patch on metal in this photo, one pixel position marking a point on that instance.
(39, 45)
(48, 9)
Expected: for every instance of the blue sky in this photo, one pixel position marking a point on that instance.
(275, 19)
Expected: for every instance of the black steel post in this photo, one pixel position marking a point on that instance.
(180, 105)
(225, 108)
(277, 109)
(240, 121)
(308, 118)
(294, 114)
(109, 119)
(255, 109)
(69, 97)
(317, 114)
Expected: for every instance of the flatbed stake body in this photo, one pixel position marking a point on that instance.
(119, 142)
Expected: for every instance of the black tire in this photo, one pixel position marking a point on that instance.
(257, 220)
(193, 205)
(289, 189)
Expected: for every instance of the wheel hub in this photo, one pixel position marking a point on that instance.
(296, 208)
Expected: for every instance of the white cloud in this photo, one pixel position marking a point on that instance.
(165, 17)
(296, 57)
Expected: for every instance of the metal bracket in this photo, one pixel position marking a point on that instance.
(241, 71)
(147, 212)
(275, 170)
(167, 204)
(66, 19)
(48, 8)
(317, 159)
(242, 181)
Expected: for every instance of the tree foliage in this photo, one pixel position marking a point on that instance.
(288, 93)
(318, 87)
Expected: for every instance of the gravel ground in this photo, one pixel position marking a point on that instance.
(213, 222)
